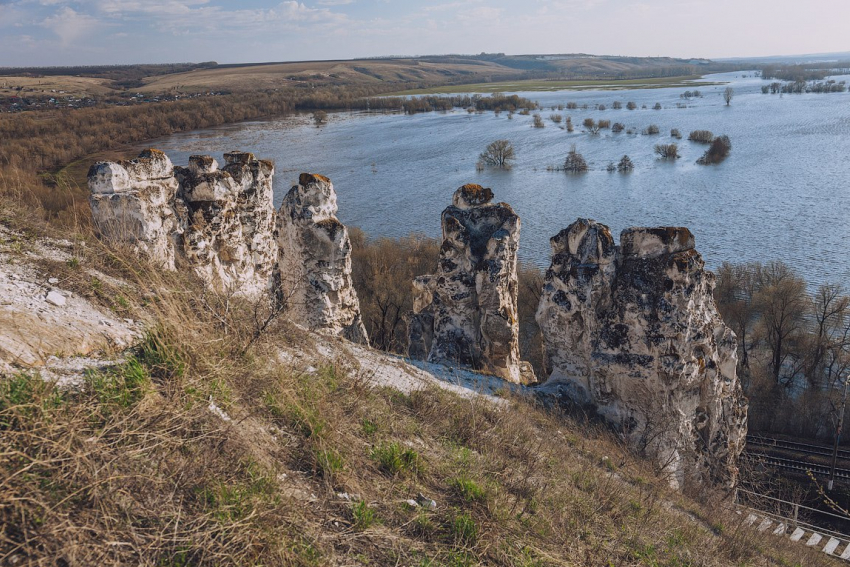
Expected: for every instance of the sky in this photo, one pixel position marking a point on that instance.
(92, 32)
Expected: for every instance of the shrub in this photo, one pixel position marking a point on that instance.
(575, 162)
(600, 107)
(657, 106)
(569, 124)
(651, 129)
(667, 151)
(498, 154)
(625, 164)
(630, 105)
(538, 121)
(701, 136)
(556, 118)
(617, 105)
(604, 124)
(611, 167)
(572, 106)
(618, 127)
(588, 123)
(674, 133)
(717, 151)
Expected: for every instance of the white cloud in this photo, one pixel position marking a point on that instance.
(70, 25)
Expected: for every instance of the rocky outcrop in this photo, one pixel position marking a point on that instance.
(133, 202)
(634, 332)
(466, 313)
(228, 240)
(221, 224)
(314, 265)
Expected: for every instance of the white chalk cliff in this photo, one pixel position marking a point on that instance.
(633, 331)
(466, 313)
(315, 260)
(221, 224)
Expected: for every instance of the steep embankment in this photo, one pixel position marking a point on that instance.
(227, 436)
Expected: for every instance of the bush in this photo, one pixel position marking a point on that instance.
(657, 106)
(604, 124)
(538, 121)
(588, 123)
(717, 152)
(575, 162)
(617, 105)
(572, 106)
(556, 118)
(600, 107)
(630, 105)
(625, 165)
(651, 129)
(674, 133)
(569, 124)
(667, 151)
(701, 136)
(498, 154)
(618, 127)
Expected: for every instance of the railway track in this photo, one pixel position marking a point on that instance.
(795, 447)
(802, 466)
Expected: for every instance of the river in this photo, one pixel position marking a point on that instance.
(782, 194)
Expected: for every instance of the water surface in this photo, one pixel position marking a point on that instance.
(781, 195)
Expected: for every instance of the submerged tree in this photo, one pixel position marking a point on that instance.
(575, 162)
(320, 117)
(717, 151)
(626, 164)
(667, 151)
(727, 95)
(498, 154)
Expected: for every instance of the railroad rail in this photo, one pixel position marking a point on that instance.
(801, 466)
(805, 448)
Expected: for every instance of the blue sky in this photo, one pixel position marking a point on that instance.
(68, 32)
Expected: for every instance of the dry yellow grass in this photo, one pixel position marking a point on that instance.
(45, 86)
(280, 75)
(313, 467)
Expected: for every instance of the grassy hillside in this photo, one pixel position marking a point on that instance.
(221, 440)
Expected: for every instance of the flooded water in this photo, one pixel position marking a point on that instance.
(783, 193)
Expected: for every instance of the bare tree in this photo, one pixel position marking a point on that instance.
(667, 151)
(575, 162)
(727, 95)
(498, 154)
(781, 300)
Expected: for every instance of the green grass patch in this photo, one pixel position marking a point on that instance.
(394, 459)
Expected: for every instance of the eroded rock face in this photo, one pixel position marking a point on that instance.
(220, 222)
(314, 261)
(133, 202)
(634, 331)
(228, 239)
(466, 313)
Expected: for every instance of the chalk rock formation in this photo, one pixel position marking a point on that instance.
(220, 222)
(228, 239)
(314, 261)
(133, 202)
(467, 312)
(634, 331)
